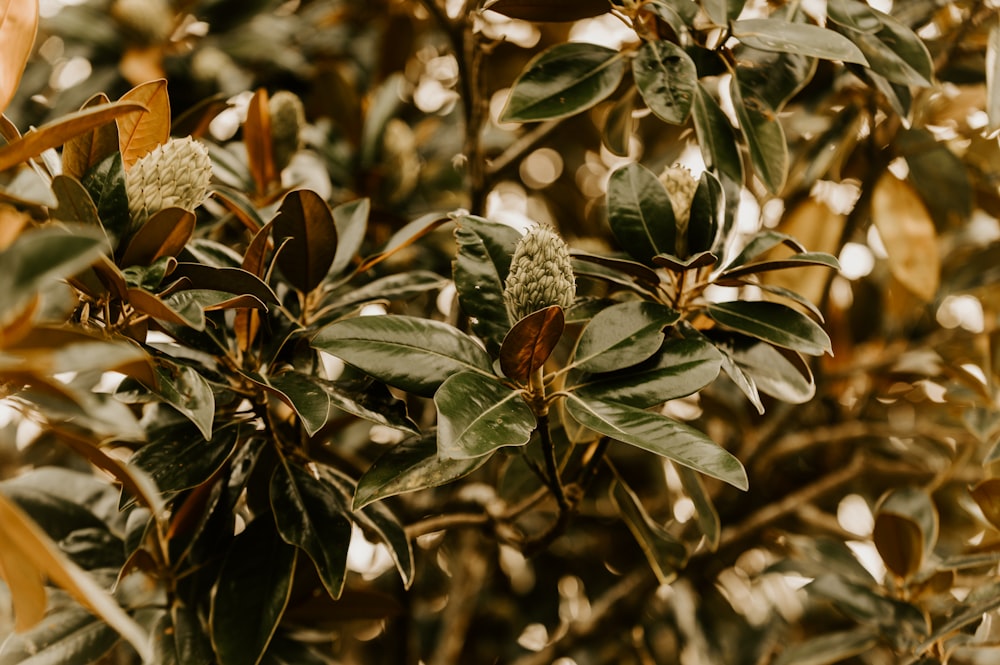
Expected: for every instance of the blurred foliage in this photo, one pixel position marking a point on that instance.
(282, 381)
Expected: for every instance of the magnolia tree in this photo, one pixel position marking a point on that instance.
(526, 331)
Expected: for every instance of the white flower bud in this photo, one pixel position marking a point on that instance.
(175, 174)
(541, 274)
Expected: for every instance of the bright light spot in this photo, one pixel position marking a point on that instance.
(73, 71)
(869, 557)
(884, 6)
(684, 509)
(373, 309)
(876, 244)
(446, 298)
(541, 168)
(497, 102)
(977, 119)
(573, 602)
(432, 96)
(856, 260)
(49, 8)
(748, 213)
(688, 408)
(64, 377)
(52, 49)
(534, 637)
(109, 382)
(365, 557)
(976, 371)
(518, 569)
(854, 515)
(604, 30)
(840, 197)
(507, 203)
(796, 582)
(501, 28)
(899, 168)
(963, 311)
(385, 435)
(564, 661)
(841, 293)
(771, 212)
(716, 293)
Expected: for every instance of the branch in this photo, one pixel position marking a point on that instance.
(471, 570)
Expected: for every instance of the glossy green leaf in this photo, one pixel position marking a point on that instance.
(411, 353)
(764, 137)
(771, 34)
(830, 648)
(409, 466)
(309, 399)
(478, 414)
(708, 209)
(188, 392)
(351, 221)
(760, 243)
(623, 335)
(251, 593)
(666, 78)
(106, 185)
(562, 81)
(619, 125)
(681, 367)
(400, 286)
(722, 11)
(179, 639)
(309, 514)
(705, 512)
(866, 606)
(774, 374)
(665, 553)
(530, 343)
(42, 255)
(71, 635)
(366, 398)
(202, 458)
(549, 10)
(619, 271)
(774, 78)
(891, 48)
(716, 136)
(640, 213)
(75, 204)
(306, 220)
(480, 267)
(660, 435)
(772, 322)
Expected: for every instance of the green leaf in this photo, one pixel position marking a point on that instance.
(304, 394)
(399, 286)
(188, 392)
(39, 256)
(75, 204)
(309, 514)
(666, 78)
(251, 593)
(179, 639)
(666, 554)
(71, 635)
(623, 335)
(619, 125)
(794, 261)
(707, 515)
(366, 398)
(892, 49)
(772, 322)
(306, 220)
(774, 78)
(758, 244)
(773, 373)
(478, 414)
(660, 435)
(202, 458)
(764, 136)
(480, 267)
(866, 606)
(409, 466)
(105, 183)
(411, 353)
(640, 213)
(351, 221)
(716, 136)
(771, 34)
(830, 648)
(681, 367)
(530, 343)
(563, 81)
(708, 208)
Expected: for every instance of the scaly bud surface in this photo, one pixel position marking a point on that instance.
(175, 174)
(287, 120)
(540, 274)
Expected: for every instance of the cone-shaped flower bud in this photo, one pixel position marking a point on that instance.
(287, 119)
(681, 186)
(540, 274)
(175, 174)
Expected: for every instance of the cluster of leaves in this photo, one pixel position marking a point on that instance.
(211, 382)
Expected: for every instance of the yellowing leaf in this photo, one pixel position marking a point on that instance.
(257, 137)
(90, 148)
(817, 227)
(908, 234)
(18, 25)
(139, 133)
(32, 556)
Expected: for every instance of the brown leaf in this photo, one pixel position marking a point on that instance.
(247, 321)
(987, 497)
(138, 134)
(26, 584)
(306, 220)
(55, 134)
(550, 10)
(900, 543)
(818, 228)
(908, 234)
(164, 234)
(18, 25)
(257, 138)
(83, 152)
(530, 343)
(12, 221)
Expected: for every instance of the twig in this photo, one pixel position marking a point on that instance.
(518, 148)
(445, 521)
(471, 571)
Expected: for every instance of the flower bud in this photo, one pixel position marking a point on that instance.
(681, 186)
(287, 119)
(540, 274)
(175, 174)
